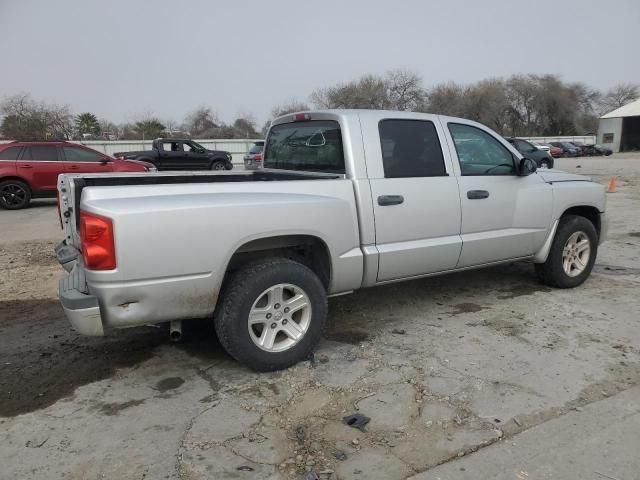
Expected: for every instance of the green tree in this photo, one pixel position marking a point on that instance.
(149, 128)
(87, 124)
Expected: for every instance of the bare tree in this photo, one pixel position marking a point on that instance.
(26, 119)
(202, 122)
(404, 90)
(618, 96)
(368, 92)
(446, 99)
(289, 106)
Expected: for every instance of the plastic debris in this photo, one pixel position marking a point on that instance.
(357, 420)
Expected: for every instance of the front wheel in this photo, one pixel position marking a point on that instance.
(544, 164)
(572, 253)
(271, 314)
(218, 165)
(14, 194)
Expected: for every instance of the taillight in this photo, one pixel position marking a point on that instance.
(258, 157)
(96, 238)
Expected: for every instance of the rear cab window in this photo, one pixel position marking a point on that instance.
(313, 145)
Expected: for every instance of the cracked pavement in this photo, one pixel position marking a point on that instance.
(482, 374)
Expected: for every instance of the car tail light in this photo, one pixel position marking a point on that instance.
(258, 157)
(96, 238)
(301, 117)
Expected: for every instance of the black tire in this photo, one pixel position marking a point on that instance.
(544, 164)
(243, 288)
(218, 165)
(14, 194)
(552, 272)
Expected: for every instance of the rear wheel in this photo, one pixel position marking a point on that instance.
(572, 254)
(218, 165)
(14, 194)
(271, 314)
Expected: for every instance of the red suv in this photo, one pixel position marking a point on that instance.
(30, 169)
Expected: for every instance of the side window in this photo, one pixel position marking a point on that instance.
(172, 146)
(42, 154)
(73, 154)
(187, 147)
(410, 148)
(479, 153)
(10, 153)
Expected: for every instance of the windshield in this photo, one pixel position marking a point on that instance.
(314, 145)
(195, 145)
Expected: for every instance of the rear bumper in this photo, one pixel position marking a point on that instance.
(250, 164)
(80, 307)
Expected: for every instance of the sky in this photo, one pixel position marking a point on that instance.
(122, 59)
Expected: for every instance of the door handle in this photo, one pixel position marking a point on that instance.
(384, 200)
(477, 194)
(25, 166)
(74, 167)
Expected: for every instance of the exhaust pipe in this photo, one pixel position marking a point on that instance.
(175, 330)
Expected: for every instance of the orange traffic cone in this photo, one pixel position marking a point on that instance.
(612, 185)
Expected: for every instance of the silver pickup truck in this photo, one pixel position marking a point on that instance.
(347, 199)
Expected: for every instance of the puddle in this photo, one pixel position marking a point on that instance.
(615, 270)
(42, 360)
(170, 383)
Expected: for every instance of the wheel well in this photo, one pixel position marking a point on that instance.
(590, 213)
(306, 249)
(22, 180)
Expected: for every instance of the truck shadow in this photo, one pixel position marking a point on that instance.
(43, 360)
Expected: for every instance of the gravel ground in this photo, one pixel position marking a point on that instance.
(443, 367)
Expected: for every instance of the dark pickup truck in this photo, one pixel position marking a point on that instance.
(181, 154)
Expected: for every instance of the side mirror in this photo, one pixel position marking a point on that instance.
(527, 167)
(105, 161)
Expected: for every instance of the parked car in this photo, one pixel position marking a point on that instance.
(541, 146)
(543, 159)
(181, 154)
(253, 158)
(599, 149)
(556, 152)
(30, 169)
(568, 149)
(347, 199)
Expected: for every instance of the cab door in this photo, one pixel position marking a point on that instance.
(170, 155)
(40, 166)
(415, 194)
(504, 216)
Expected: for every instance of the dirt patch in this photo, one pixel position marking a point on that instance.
(461, 308)
(634, 234)
(615, 270)
(522, 290)
(354, 337)
(43, 360)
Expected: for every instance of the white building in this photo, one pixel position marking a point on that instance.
(620, 130)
